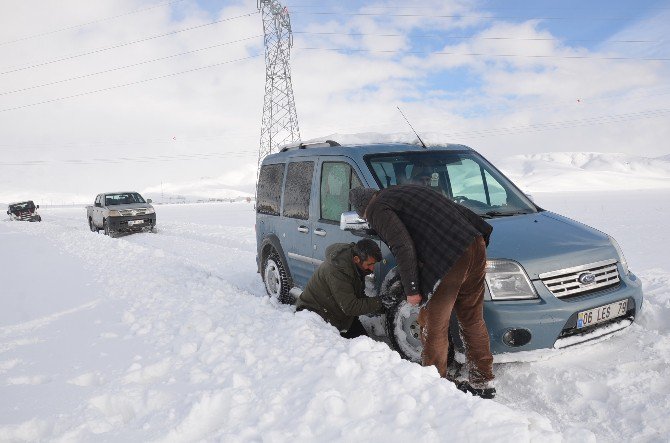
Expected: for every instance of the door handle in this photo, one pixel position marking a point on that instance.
(303, 229)
(320, 232)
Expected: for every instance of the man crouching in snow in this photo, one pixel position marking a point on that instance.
(440, 248)
(336, 291)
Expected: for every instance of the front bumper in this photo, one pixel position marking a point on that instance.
(550, 320)
(120, 224)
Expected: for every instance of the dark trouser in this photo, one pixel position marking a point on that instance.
(462, 289)
(355, 330)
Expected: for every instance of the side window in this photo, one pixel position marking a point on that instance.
(298, 189)
(337, 178)
(268, 194)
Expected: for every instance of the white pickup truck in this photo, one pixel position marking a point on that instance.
(121, 212)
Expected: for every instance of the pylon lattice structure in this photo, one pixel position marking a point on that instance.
(280, 119)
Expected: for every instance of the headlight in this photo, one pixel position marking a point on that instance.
(114, 213)
(150, 210)
(507, 280)
(622, 259)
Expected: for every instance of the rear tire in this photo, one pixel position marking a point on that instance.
(92, 226)
(275, 278)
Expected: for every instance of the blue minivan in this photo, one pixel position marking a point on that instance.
(551, 282)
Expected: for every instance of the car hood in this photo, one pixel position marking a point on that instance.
(546, 241)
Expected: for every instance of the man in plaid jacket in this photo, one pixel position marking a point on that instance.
(440, 249)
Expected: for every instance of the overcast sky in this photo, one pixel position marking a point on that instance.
(126, 94)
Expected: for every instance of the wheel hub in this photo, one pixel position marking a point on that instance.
(272, 282)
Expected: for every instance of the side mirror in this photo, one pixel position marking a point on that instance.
(350, 221)
(149, 200)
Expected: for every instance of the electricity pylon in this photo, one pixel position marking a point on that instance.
(280, 119)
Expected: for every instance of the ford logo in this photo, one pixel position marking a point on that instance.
(586, 278)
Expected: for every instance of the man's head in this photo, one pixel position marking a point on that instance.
(366, 255)
(421, 175)
(360, 199)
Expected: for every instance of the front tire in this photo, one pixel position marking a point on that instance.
(109, 231)
(276, 280)
(402, 329)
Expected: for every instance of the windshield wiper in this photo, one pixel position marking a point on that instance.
(491, 214)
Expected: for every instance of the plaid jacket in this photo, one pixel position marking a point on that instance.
(425, 231)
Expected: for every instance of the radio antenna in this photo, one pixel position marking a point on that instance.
(410, 125)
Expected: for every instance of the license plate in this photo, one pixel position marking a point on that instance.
(601, 314)
(135, 222)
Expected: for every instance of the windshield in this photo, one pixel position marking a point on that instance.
(464, 177)
(20, 207)
(123, 199)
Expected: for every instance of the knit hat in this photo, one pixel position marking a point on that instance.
(360, 199)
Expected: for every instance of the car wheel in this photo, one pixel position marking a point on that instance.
(92, 226)
(108, 230)
(275, 278)
(402, 329)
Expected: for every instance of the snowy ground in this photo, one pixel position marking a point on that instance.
(169, 337)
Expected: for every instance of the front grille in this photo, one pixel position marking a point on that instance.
(566, 283)
(133, 212)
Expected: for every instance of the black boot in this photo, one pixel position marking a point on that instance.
(487, 393)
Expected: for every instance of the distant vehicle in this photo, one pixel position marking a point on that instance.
(551, 282)
(121, 212)
(24, 211)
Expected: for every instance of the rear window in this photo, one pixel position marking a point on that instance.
(268, 194)
(298, 189)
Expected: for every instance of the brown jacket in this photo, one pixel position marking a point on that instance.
(425, 231)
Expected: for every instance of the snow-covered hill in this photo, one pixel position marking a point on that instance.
(586, 171)
(234, 185)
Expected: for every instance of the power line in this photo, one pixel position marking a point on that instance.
(127, 84)
(69, 28)
(312, 33)
(501, 131)
(564, 124)
(129, 66)
(455, 16)
(459, 37)
(153, 37)
(481, 54)
(143, 159)
(117, 143)
(493, 7)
